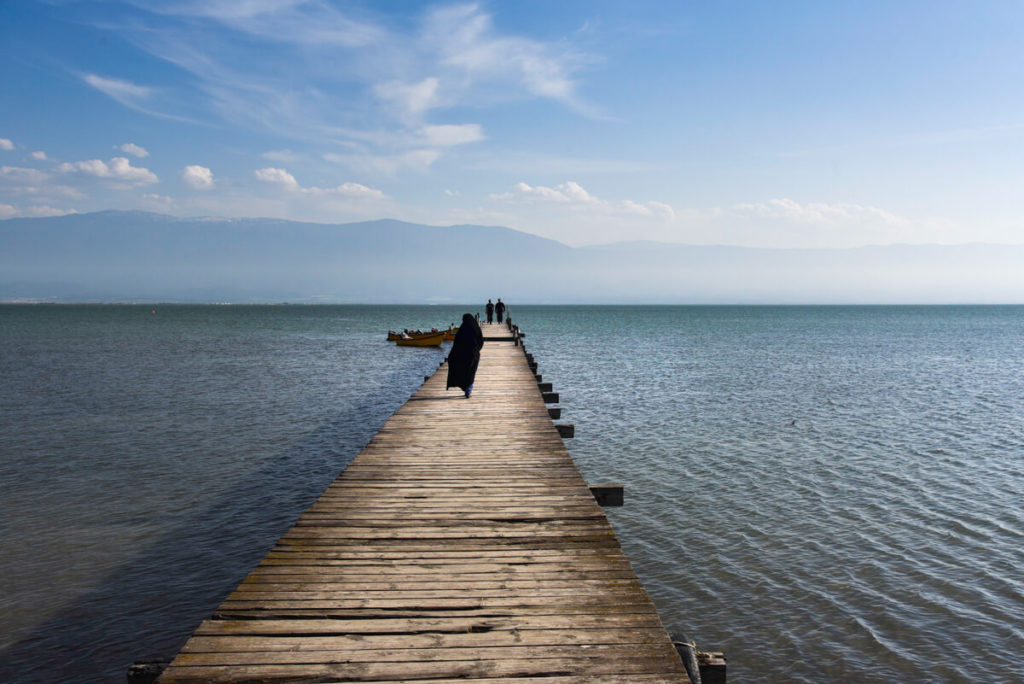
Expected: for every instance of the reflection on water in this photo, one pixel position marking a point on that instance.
(826, 494)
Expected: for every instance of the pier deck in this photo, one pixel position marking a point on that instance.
(461, 544)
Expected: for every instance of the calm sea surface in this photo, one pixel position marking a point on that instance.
(825, 494)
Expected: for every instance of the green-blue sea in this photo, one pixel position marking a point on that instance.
(826, 494)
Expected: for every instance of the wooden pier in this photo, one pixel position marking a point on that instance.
(461, 544)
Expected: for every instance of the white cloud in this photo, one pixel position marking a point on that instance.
(412, 99)
(386, 164)
(198, 177)
(119, 169)
(359, 79)
(575, 196)
(156, 201)
(17, 175)
(134, 150)
(575, 193)
(449, 135)
(125, 92)
(480, 64)
(6, 144)
(8, 211)
(286, 156)
(819, 212)
(287, 181)
(277, 177)
(40, 155)
(353, 190)
(34, 182)
(40, 210)
(286, 21)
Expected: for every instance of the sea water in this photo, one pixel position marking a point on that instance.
(824, 493)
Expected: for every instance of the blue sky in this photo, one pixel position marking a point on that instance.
(790, 124)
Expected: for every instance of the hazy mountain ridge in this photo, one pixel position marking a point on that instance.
(140, 256)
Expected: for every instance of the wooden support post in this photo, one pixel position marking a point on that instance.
(703, 667)
(607, 494)
(712, 667)
(566, 431)
(545, 386)
(539, 377)
(550, 397)
(529, 357)
(554, 413)
(533, 367)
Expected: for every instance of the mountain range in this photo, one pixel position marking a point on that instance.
(131, 256)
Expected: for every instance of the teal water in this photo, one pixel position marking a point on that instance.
(825, 494)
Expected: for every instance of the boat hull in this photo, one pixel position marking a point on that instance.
(433, 340)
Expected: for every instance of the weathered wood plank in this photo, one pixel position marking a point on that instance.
(462, 544)
(347, 642)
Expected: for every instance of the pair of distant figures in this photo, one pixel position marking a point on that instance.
(493, 308)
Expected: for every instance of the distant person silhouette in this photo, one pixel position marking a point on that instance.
(499, 309)
(464, 356)
(490, 311)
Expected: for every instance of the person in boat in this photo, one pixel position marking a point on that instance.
(464, 356)
(499, 309)
(490, 311)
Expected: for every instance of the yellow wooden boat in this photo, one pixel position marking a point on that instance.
(449, 335)
(426, 340)
(392, 336)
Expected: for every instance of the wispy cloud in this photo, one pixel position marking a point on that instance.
(127, 93)
(379, 89)
(284, 156)
(286, 181)
(418, 160)
(34, 211)
(464, 40)
(35, 183)
(6, 144)
(820, 212)
(449, 135)
(308, 22)
(17, 175)
(39, 155)
(573, 195)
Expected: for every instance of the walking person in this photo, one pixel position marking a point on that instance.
(499, 309)
(490, 311)
(464, 356)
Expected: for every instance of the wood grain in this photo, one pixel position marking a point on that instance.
(462, 544)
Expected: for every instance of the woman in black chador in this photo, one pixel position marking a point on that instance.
(465, 355)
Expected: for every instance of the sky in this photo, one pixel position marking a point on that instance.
(754, 123)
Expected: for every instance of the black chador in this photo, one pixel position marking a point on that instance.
(464, 357)
(499, 309)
